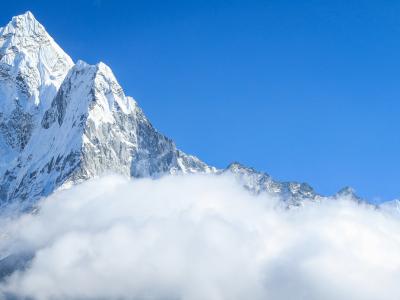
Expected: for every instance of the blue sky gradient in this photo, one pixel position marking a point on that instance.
(304, 90)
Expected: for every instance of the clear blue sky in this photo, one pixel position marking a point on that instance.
(304, 90)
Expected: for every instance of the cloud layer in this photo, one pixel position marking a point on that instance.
(196, 238)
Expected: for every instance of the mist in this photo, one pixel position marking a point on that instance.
(198, 237)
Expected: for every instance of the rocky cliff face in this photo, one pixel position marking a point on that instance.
(62, 123)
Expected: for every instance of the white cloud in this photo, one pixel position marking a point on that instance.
(200, 237)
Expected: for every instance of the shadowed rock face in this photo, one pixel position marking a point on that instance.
(62, 123)
(17, 128)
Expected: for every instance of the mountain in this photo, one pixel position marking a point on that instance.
(294, 193)
(62, 123)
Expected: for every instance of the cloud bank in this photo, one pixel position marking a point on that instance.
(196, 238)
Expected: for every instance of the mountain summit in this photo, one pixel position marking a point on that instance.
(33, 66)
(62, 123)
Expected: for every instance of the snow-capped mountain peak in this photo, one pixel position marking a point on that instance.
(25, 25)
(32, 59)
(62, 123)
